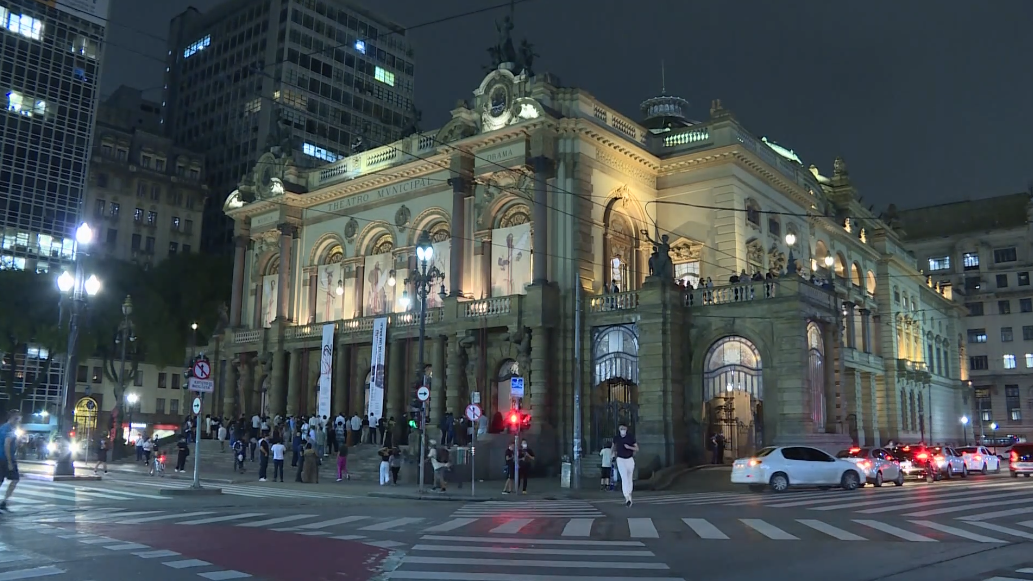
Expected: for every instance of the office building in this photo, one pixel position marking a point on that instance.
(145, 196)
(339, 77)
(981, 250)
(50, 66)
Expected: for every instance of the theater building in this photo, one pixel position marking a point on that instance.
(534, 189)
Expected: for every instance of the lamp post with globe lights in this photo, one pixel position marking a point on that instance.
(131, 400)
(964, 429)
(420, 281)
(791, 262)
(79, 287)
(124, 338)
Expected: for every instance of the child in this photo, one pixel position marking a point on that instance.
(342, 463)
(606, 454)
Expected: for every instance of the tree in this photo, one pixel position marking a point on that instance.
(30, 328)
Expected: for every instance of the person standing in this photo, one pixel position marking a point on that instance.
(385, 465)
(278, 450)
(526, 462)
(624, 448)
(396, 465)
(102, 455)
(263, 458)
(222, 437)
(8, 451)
(606, 454)
(183, 450)
(507, 488)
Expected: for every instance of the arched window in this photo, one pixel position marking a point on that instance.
(619, 247)
(870, 283)
(816, 375)
(903, 412)
(913, 410)
(752, 213)
(732, 363)
(855, 275)
(840, 265)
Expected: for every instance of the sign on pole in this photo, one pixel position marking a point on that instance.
(473, 412)
(423, 393)
(376, 372)
(516, 387)
(197, 405)
(201, 380)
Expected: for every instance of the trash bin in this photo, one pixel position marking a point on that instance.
(566, 469)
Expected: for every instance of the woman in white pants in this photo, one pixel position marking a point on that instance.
(385, 466)
(624, 448)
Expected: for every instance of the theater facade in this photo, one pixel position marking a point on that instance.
(832, 336)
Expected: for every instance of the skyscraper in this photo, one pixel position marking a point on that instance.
(329, 75)
(50, 75)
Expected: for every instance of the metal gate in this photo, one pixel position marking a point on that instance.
(608, 416)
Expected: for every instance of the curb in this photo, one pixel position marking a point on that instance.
(52, 478)
(190, 491)
(430, 497)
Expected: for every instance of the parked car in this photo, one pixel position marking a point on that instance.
(979, 459)
(950, 461)
(783, 466)
(1021, 460)
(878, 464)
(917, 462)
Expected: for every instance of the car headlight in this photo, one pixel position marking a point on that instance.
(74, 446)
(51, 447)
(18, 432)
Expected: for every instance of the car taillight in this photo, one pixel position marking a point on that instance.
(754, 462)
(978, 459)
(940, 458)
(922, 456)
(1014, 456)
(865, 464)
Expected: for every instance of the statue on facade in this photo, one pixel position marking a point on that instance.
(223, 321)
(527, 56)
(660, 264)
(506, 49)
(280, 140)
(524, 352)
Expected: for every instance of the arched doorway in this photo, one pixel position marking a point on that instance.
(84, 418)
(499, 400)
(614, 395)
(733, 395)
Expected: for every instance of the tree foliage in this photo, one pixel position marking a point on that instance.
(30, 312)
(166, 300)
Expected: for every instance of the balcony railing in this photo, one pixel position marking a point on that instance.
(492, 307)
(626, 301)
(247, 336)
(733, 293)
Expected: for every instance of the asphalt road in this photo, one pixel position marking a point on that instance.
(963, 530)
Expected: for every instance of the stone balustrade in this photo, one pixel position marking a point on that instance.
(247, 336)
(492, 307)
(626, 301)
(732, 293)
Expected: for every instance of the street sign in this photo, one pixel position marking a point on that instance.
(201, 385)
(516, 387)
(202, 369)
(473, 412)
(423, 393)
(475, 397)
(197, 405)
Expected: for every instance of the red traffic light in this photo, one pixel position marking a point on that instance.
(514, 418)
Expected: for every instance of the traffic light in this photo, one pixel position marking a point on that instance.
(518, 421)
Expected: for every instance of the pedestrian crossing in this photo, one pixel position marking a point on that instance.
(445, 557)
(1020, 574)
(978, 500)
(37, 493)
(639, 529)
(530, 508)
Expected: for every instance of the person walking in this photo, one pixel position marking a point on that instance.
(183, 450)
(507, 488)
(278, 450)
(222, 437)
(385, 465)
(624, 448)
(342, 463)
(396, 465)
(8, 451)
(102, 455)
(526, 462)
(263, 458)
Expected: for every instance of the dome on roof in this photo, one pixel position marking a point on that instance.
(664, 113)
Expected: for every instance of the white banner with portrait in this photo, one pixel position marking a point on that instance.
(510, 260)
(442, 254)
(378, 294)
(376, 372)
(269, 295)
(326, 366)
(328, 302)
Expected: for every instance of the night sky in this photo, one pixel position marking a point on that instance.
(928, 101)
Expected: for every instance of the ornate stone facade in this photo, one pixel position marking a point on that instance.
(532, 189)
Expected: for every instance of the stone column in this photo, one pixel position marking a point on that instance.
(856, 404)
(240, 243)
(872, 408)
(287, 232)
(437, 384)
(360, 271)
(462, 183)
(455, 376)
(833, 354)
(543, 167)
(849, 325)
(277, 396)
(486, 267)
(536, 398)
(294, 376)
(256, 315)
(246, 383)
(313, 288)
(397, 380)
(339, 399)
(866, 330)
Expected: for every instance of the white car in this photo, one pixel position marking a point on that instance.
(783, 466)
(979, 459)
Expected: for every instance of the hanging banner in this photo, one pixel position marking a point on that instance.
(326, 365)
(376, 372)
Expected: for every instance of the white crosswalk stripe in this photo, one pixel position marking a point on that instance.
(971, 499)
(531, 508)
(438, 558)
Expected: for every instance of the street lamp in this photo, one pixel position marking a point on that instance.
(829, 260)
(421, 280)
(993, 427)
(80, 287)
(964, 429)
(131, 399)
(791, 263)
(125, 335)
